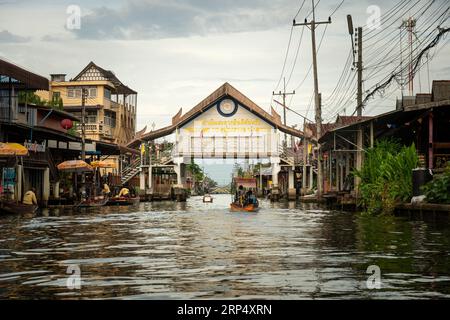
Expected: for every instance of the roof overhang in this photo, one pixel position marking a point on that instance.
(27, 80)
(226, 90)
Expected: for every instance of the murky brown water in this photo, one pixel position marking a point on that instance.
(167, 250)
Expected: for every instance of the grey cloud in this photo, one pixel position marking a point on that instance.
(156, 19)
(8, 37)
(55, 37)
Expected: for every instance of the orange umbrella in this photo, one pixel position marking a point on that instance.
(74, 166)
(12, 149)
(103, 164)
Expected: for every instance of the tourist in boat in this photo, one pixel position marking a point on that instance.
(251, 199)
(30, 197)
(124, 192)
(240, 194)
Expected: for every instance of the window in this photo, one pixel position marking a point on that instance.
(56, 95)
(110, 118)
(74, 92)
(91, 116)
(92, 92)
(107, 94)
(31, 117)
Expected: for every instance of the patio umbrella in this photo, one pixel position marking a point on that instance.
(103, 164)
(77, 166)
(12, 149)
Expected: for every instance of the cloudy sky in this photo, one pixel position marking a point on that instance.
(175, 52)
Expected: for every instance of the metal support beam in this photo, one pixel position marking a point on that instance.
(430, 141)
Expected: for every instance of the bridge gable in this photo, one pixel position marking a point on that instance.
(227, 116)
(204, 111)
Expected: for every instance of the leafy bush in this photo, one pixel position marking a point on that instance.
(386, 176)
(31, 98)
(438, 189)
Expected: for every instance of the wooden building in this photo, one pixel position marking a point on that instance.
(423, 120)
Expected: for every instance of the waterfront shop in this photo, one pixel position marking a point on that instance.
(422, 120)
(49, 136)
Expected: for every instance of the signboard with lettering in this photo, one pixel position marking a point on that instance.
(8, 180)
(74, 145)
(240, 122)
(34, 146)
(52, 143)
(227, 130)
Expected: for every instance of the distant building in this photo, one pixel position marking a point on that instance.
(110, 105)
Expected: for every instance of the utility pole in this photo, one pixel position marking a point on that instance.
(359, 134)
(359, 70)
(410, 24)
(284, 94)
(83, 130)
(358, 64)
(312, 25)
(305, 155)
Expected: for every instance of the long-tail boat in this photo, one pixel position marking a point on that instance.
(123, 201)
(242, 205)
(13, 207)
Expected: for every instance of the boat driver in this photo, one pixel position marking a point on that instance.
(30, 197)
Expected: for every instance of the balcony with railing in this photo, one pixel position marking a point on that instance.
(100, 129)
(227, 146)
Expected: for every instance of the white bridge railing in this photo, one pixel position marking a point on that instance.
(261, 146)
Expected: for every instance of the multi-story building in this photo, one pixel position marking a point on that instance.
(110, 105)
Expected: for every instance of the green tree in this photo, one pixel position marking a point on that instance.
(196, 173)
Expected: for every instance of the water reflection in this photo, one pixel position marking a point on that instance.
(166, 250)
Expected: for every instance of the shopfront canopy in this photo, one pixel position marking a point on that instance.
(12, 149)
(103, 164)
(77, 166)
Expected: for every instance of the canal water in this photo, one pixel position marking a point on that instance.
(169, 250)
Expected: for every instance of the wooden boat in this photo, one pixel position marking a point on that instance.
(88, 203)
(207, 198)
(235, 207)
(122, 201)
(250, 185)
(14, 207)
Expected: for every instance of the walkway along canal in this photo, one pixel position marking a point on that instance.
(170, 250)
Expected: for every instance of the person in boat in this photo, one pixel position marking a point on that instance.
(106, 190)
(30, 197)
(124, 192)
(251, 199)
(240, 195)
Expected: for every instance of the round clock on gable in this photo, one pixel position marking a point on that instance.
(227, 107)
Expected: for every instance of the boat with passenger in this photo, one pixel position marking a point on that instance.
(244, 199)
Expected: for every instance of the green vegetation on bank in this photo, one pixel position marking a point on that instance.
(386, 176)
(438, 189)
